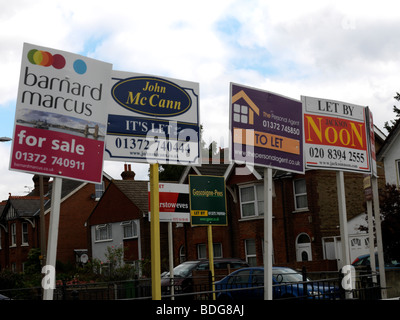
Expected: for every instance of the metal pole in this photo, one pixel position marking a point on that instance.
(371, 239)
(42, 222)
(344, 235)
(155, 233)
(382, 275)
(211, 257)
(268, 234)
(53, 236)
(171, 259)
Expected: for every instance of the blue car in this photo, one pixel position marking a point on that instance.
(364, 262)
(248, 284)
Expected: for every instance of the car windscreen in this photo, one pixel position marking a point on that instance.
(183, 270)
(283, 275)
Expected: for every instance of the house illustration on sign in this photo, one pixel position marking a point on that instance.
(244, 113)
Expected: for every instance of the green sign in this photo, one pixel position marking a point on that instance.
(207, 200)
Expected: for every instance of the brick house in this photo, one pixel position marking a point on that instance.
(305, 216)
(20, 222)
(120, 219)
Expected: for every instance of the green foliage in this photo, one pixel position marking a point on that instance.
(33, 264)
(390, 211)
(390, 125)
(10, 280)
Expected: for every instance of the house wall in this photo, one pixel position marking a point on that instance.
(14, 256)
(318, 221)
(391, 171)
(113, 208)
(73, 231)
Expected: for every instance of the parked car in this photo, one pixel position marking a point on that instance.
(248, 284)
(3, 297)
(364, 261)
(183, 273)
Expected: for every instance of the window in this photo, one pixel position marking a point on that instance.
(129, 229)
(202, 250)
(99, 190)
(252, 201)
(182, 254)
(303, 248)
(250, 248)
(103, 232)
(300, 194)
(240, 113)
(356, 242)
(24, 233)
(13, 234)
(240, 278)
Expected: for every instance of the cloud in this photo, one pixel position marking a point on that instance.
(343, 50)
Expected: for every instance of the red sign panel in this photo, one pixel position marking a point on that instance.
(336, 135)
(61, 116)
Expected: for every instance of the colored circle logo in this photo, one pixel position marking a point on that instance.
(46, 59)
(80, 66)
(58, 61)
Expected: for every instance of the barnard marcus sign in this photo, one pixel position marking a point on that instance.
(336, 135)
(153, 119)
(266, 129)
(60, 118)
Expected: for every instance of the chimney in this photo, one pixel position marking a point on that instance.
(36, 181)
(128, 174)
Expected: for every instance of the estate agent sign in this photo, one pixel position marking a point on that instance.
(60, 119)
(336, 135)
(153, 119)
(266, 129)
(207, 200)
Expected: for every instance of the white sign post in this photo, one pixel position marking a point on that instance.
(60, 126)
(339, 136)
(266, 130)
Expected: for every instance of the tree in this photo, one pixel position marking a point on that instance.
(172, 172)
(390, 125)
(390, 214)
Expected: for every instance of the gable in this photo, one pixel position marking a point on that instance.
(119, 205)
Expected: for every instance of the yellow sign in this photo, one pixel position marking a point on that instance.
(199, 213)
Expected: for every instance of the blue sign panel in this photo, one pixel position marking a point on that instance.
(151, 96)
(153, 119)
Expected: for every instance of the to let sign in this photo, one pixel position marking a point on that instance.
(60, 118)
(207, 200)
(336, 135)
(266, 129)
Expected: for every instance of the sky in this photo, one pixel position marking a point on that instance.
(341, 50)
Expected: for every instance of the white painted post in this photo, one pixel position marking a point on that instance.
(171, 259)
(371, 239)
(344, 235)
(382, 275)
(268, 234)
(53, 236)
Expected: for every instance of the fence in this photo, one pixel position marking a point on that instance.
(199, 287)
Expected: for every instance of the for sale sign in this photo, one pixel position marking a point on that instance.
(60, 118)
(335, 135)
